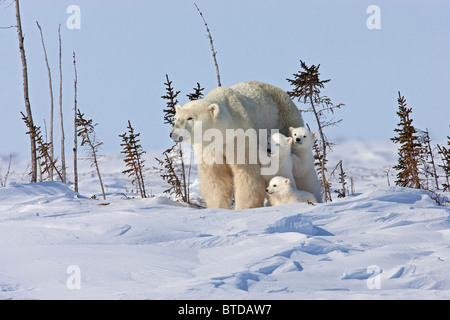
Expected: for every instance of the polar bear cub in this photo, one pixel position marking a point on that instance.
(281, 191)
(305, 175)
(280, 149)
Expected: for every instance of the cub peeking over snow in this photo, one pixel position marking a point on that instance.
(305, 174)
(281, 191)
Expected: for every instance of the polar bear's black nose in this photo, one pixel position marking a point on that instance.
(269, 151)
(267, 190)
(170, 135)
(298, 139)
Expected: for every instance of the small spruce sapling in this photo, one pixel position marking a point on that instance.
(86, 130)
(341, 192)
(427, 159)
(43, 148)
(445, 157)
(134, 158)
(409, 150)
(172, 167)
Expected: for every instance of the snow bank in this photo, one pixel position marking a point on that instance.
(383, 243)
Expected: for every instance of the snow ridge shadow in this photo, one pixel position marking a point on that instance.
(299, 224)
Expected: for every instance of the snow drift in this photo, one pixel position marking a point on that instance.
(383, 242)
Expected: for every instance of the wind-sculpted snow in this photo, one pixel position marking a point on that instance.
(384, 242)
(299, 224)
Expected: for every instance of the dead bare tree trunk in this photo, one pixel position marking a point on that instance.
(323, 140)
(211, 43)
(51, 153)
(75, 144)
(26, 95)
(63, 155)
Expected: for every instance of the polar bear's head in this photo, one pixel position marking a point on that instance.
(302, 136)
(279, 186)
(279, 145)
(195, 117)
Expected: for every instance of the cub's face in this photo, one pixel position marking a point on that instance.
(279, 144)
(302, 135)
(278, 185)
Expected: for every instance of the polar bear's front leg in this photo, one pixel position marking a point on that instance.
(216, 185)
(249, 186)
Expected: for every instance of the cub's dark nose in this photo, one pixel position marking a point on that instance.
(170, 135)
(298, 139)
(269, 151)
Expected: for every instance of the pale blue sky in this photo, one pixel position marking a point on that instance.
(125, 49)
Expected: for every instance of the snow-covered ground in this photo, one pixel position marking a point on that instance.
(380, 243)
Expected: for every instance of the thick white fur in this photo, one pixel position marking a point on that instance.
(305, 174)
(280, 191)
(245, 105)
(280, 149)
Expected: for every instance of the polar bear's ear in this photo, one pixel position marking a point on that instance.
(287, 181)
(289, 140)
(177, 108)
(290, 129)
(315, 134)
(214, 109)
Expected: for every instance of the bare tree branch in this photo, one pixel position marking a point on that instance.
(75, 143)
(51, 151)
(63, 155)
(211, 43)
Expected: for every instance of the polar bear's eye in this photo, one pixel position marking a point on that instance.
(190, 118)
(274, 185)
(304, 136)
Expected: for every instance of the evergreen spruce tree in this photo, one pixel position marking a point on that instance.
(197, 94)
(173, 168)
(409, 150)
(427, 160)
(44, 158)
(134, 158)
(445, 156)
(342, 193)
(171, 98)
(307, 88)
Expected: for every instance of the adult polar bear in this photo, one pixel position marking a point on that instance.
(247, 105)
